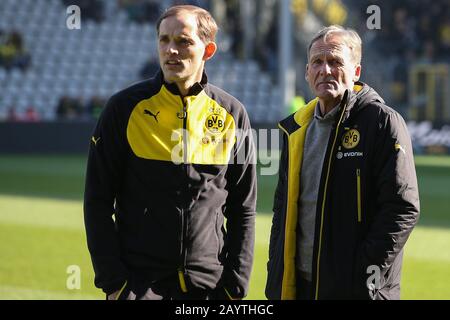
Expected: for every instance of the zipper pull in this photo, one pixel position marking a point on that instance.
(182, 280)
(358, 193)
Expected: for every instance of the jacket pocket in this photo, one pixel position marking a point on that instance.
(358, 193)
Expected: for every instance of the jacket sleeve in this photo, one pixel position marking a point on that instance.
(104, 168)
(279, 201)
(240, 212)
(276, 247)
(397, 201)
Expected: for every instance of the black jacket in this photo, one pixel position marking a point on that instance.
(368, 202)
(170, 169)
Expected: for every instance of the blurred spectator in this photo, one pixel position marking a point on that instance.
(234, 29)
(149, 69)
(410, 25)
(398, 87)
(12, 115)
(428, 53)
(444, 38)
(68, 108)
(403, 33)
(31, 115)
(12, 52)
(411, 32)
(94, 107)
(267, 54)
(141, 11)
(90, 9)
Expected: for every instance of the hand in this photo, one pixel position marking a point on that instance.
(113, 296)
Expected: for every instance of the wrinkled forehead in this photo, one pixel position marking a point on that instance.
(332, 47)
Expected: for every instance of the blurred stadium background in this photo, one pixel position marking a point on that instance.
(54, 82)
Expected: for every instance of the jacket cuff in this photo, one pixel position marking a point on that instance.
(114, 286)
(230, 286)
(229, 296)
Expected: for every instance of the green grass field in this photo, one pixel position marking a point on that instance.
(42, 233)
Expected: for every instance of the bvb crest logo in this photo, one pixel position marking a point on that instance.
(350, 139)
(215, 123)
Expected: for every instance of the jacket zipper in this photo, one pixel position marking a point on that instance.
(181, 269)
(330, 157)
(358, 192)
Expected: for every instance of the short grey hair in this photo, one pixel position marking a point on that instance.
(349, 37)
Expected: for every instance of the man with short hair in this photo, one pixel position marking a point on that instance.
(171, 157)
(347, 196)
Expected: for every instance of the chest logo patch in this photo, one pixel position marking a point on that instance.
(350, 139)
(215, 123)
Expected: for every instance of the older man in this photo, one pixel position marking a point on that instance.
(347, 196)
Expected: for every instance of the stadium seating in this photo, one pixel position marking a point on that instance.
(101, 58)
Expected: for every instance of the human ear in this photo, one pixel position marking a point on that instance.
(357, 73)
(210, 50)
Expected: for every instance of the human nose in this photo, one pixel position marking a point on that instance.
(171, 49)
(325, 68)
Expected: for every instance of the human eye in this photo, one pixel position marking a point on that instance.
(316, 61)
(337, 63)
(185, 41)
(163, 39)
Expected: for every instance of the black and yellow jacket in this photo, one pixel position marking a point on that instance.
(367, 205)
(170, 168)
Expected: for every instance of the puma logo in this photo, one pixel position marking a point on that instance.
(95, 140)
(398, 147)
(151, 114)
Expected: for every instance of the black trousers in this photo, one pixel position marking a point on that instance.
(168, 289)
(304, 289)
